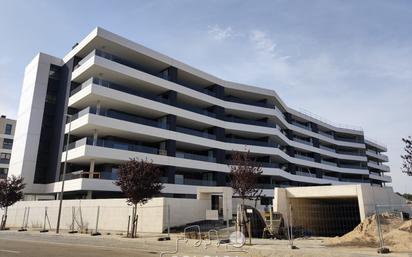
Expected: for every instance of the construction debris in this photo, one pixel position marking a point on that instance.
(397, 233)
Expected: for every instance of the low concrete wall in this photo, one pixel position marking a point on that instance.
(113, 214)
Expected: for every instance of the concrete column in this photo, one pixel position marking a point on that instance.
(98, 108)
(91, 170)
(89, 195)
(95, 135)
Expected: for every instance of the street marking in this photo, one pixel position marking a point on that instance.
(8, 251)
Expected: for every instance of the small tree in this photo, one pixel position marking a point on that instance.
(11, 191)
(244, 175)
(407, 157)
(139, 181)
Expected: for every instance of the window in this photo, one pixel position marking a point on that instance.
(8, 129)
(5, 156)
(7, 143)
(3, 172)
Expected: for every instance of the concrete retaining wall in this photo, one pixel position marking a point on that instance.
(113, 214)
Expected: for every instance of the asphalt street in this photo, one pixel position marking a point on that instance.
(35, 244)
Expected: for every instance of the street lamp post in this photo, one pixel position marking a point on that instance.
(64, 174)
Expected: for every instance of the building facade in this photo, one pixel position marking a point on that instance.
(124, 100)
(7, 127)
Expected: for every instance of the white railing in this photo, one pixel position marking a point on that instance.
(335, 124)
(376, 142)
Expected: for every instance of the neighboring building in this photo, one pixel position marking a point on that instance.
(129, 101)
(7, 127)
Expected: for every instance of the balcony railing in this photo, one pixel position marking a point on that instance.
(352, 166)
(250, 122)
(327, 148)
(302, 141)
(196, 182)
(120, 116)
(195, 157)
(195, 132)
(303, 157)
(234, 99)
(329, 163)
(196, 109)
(121, 88)
(306, 174)
(251, 142)
(330, 178)
(301, 125)
(325, 134)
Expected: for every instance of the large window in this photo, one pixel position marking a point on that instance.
(5, 156)
(8, 129)
(7, 143)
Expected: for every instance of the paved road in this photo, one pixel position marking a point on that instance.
(35, 244)
(33, 248)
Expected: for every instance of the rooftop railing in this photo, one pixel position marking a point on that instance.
(335, 124)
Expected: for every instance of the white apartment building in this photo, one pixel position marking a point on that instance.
(126, 100)
(7, 127)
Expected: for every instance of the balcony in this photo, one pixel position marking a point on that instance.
(197, 157)
(306, 174)
(352, 166)
(196, 109)
(325, 134)
(234, 99)
(115, 144)
(120, 116)
(80, 174)
(329, 163)
(327, 148)
(121, 88)
(139, 67)
(376, 155)
(250, 122)
(304, 157)
(307, 127)
(354, 180)
(349, 153)
(296, 139)
(194, 132)
(251, 142)
(350, 140)
(330, 178)
(195, 182)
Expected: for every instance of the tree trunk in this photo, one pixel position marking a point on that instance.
(3, 220)
(134, 213)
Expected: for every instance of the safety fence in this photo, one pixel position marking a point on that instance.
(394, 227)
(383, 227)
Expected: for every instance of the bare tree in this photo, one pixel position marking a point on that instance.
(139, 181)
(11, 191)
(244, 175)
(407, 157)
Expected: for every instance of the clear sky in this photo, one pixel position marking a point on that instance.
(347, 61)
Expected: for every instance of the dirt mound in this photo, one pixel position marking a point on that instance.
(406, 226)
(397, 233)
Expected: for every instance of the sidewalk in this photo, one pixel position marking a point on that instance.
(260, 247)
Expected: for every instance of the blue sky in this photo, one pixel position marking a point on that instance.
(347, 61)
